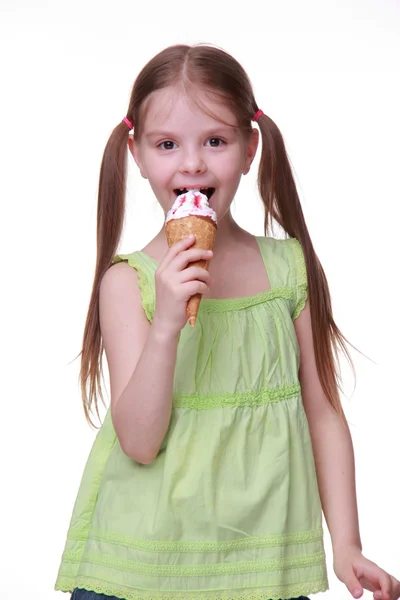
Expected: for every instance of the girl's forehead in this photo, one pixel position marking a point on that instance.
(175, 107)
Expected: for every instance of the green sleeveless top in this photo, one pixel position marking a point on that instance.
(230, 508)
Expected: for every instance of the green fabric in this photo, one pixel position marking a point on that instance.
(230, 508)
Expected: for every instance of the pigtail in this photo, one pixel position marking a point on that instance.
(110, 219)
(282, 204)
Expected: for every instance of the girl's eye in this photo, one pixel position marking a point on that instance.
(168, 145)
(215, 142)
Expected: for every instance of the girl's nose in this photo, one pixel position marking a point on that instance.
(193, 163)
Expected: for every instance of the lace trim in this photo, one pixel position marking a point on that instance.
(301, 279)
(67, 584)
(229, 304)
(132, 566)
(260, 398)
(301, 269)
(145, 287)
(301, 300)
(286, 539)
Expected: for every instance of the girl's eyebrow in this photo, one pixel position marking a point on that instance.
(214, 131)
(158, 134)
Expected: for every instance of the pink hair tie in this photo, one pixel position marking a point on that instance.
(258, 115)
(127, 121)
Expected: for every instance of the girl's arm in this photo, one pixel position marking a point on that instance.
(141, 362)
(141, 357)
(334, 461)
(332, 445)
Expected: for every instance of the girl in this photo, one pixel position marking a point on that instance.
(221, 442)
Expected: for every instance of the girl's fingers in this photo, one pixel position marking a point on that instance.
(352, 583)
(194, 273)
(182, 254)
(378, 581)
(395, 587)
(191, 255)
(176, 249)
(386, 586)
(195, 287)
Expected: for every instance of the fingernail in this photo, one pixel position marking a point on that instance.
(357, 593)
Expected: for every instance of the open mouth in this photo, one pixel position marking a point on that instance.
(206, 191)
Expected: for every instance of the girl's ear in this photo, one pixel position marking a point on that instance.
(134, 150)
(251, 149)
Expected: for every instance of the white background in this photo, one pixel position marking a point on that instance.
(328, 74)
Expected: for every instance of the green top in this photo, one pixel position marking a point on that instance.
(229, 509)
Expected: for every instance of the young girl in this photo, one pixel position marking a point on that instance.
(222, 441)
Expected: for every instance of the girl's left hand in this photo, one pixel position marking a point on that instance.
(357, 572)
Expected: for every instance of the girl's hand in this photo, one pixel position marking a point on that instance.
(176, 282)
(357, 572)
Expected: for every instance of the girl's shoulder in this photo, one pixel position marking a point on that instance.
(284, 261)
(144, 266)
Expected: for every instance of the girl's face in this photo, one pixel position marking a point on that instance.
(183, 147)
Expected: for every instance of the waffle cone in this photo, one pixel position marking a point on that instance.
(205, 231)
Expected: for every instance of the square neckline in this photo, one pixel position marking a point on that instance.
(236, 301)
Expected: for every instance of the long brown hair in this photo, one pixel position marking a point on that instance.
(211, 69)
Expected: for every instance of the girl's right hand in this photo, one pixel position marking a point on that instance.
(176, 282)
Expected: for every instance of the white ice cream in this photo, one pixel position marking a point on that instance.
(191, 203)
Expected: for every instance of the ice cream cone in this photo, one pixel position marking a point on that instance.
(204, 228)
